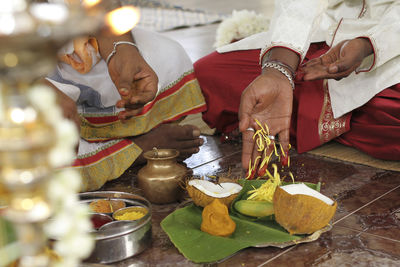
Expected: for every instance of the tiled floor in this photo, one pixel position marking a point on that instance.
(366, 227)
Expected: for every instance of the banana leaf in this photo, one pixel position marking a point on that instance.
(183, 228)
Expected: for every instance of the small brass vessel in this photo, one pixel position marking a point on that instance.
(161, 179)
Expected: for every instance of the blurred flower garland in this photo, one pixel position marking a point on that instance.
(240, 25)
(70, 224)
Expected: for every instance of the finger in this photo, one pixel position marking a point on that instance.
(124, 92)
(284, 139)
(340, 75)
(185, 153)
(328, 58)
(342, 66)
(133, 106)
(245, 110)
(190, 132)
(334, 71)
(127, 105)
(127, 114)
(315, 73)
(143, 97)
(120, 103)
(312, 62)
(191, 143)
(247, 148)
(247, 136)
(337, 76)
(244, 122)
(124, 82)
(122, 115)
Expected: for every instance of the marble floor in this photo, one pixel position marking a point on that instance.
(366, 226)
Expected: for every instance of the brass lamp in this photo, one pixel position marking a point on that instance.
(31, 33)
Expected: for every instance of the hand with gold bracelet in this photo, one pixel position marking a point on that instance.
(268, 99)
(136, 81)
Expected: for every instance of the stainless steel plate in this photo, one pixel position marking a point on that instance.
(120, 241)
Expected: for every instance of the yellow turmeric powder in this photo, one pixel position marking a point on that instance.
(134, 213)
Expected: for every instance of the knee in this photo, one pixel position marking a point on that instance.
(203, 67)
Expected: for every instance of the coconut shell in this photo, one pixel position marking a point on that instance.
(201, 199)
(301, 214)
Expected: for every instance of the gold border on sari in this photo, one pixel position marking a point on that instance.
(329, 127)
(95, 175)
(188, 97)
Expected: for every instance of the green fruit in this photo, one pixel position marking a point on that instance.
(255, 208)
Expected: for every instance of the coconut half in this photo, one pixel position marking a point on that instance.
(204, 192)
(302, 210)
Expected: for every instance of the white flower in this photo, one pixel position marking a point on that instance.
(60, 156)
(69, 225)
(241, 24)
(63, 153)
(57, 190)
(66, 262)
(70, 180)
(59, 226)
(42, 97)
(80, 246)
(67, 131)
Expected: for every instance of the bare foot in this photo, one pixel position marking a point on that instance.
(186, 139)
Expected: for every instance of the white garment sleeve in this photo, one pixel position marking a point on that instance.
(70, 90)
(381, 25)
(293, 24)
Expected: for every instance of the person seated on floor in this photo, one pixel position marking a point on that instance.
(346, 88)
(156, 88)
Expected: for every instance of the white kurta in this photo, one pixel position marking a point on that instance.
(296, 24)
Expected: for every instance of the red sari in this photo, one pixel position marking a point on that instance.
(373, 128)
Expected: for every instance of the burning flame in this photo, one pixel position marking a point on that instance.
(122, 19)
(90, 3)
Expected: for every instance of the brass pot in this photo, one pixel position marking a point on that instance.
(162, 178)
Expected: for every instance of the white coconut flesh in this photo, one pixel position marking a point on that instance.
(302, 189)
(221, 190)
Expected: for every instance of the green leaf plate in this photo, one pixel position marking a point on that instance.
(183, 228)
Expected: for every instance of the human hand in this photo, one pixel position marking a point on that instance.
(268, 99)
(339, 62)
(136, 81)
